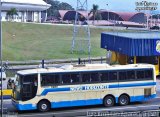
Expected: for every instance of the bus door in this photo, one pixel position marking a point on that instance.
(29, 86)
(27, 91)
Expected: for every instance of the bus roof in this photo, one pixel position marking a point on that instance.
(85, 67)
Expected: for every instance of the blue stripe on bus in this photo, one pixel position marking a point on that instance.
(79, 102)
(24, 106)
(132, 85)
(76, 103)
(45, 91)
(141, 98)
(55, 90)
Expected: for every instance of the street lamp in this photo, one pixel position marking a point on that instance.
(1, 58)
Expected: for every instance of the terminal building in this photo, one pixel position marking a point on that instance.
(112, 18)
(27, 10)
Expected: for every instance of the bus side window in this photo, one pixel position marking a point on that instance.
(56, 78)
(86, 77)
(43, 80)
(94, 77)
(122, 76)
(131, 75)
(148, 74)
(103, 76)
(66, 78)
(140, 74)
(49, 79)
(112, 76)
(75, 78)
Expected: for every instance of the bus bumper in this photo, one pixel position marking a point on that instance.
(22, 107)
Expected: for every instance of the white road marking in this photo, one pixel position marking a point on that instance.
(120, 108)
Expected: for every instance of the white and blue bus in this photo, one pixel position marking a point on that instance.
(82, 85)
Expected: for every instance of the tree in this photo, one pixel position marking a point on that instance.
(11, 13)
(65, 6)
(55, 6)
(52, 11)
(95, 13)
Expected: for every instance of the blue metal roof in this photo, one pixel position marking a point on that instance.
(132, 44)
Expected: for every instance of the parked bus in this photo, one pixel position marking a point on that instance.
(82, 85)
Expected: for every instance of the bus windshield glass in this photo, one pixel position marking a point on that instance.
(17, 88)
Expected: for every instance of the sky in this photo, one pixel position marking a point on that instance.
(113, 5)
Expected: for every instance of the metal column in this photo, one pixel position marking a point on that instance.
(1, 58)
(81, 31)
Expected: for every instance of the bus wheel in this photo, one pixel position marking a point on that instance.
(108, 101)
(43, 106)
(123, 100)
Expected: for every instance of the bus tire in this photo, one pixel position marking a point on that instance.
(123, 100)
(44, 106)
(108, 101)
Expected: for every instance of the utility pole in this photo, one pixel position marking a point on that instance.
(1, 86)
(46, 11)
(108, 14)
(81, 32)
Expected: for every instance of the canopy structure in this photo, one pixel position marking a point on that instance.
(132, 44)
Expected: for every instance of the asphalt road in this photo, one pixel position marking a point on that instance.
(89, 111)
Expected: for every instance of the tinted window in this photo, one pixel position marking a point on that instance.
(148, 74)
(122, 75)
(49, 79)
(66, 78)
(75, 78)
(103, 76)
(140, 75)
(30, 78)
(112, 76)
(94, 77)
(86, 77)
(131, 75)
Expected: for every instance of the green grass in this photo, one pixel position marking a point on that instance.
(24, 41)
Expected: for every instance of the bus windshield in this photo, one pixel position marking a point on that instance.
(25, 87)
(17, 87)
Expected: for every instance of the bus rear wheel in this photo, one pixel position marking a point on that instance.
(108, 101)
(123, 100)
(43, 106)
